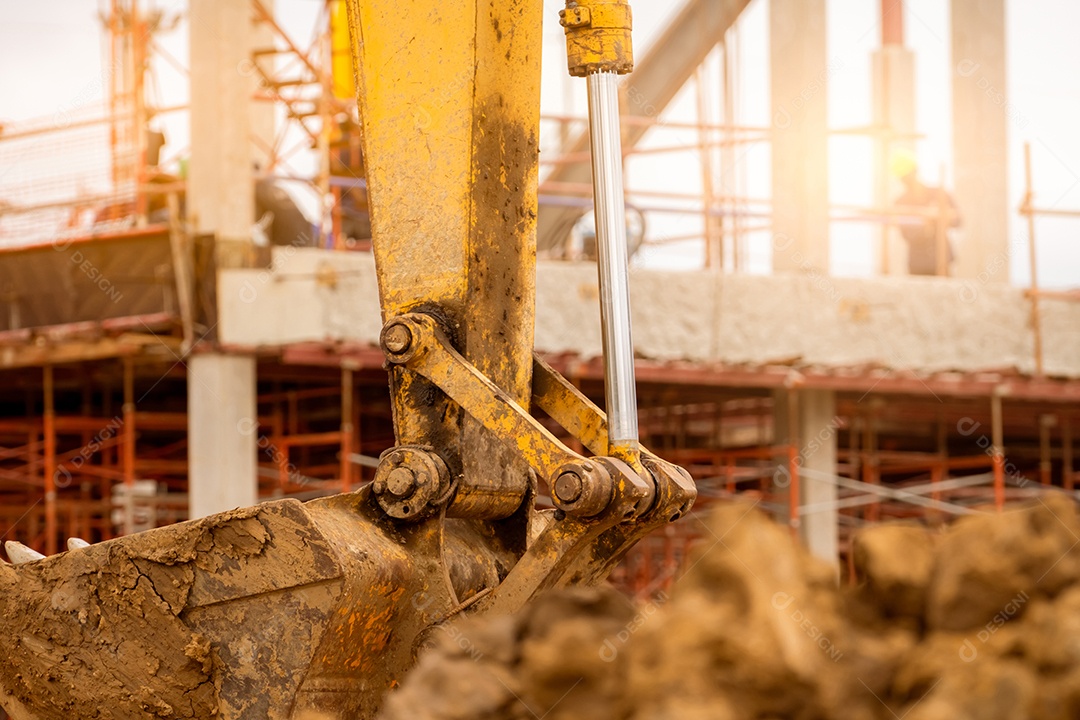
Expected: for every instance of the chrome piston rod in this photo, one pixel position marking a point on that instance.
(620, 389)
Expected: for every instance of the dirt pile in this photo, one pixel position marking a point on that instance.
(979, 621)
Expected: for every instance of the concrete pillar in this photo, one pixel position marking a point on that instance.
(980, 109)
(220, 193)
(222, 430)
(809, 416)
(800, 180)
(817, 435)
(893, 68)
(222, 433)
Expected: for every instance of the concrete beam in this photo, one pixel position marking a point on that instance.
(800, 71)
(900, 324)
(980, 138)
(222, 433)
(817, 437)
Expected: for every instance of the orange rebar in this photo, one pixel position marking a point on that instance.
(128, 447)
(998, 456)
(892, 22)
(50, 464)
(1045, 463)
(671, 566)
(1067, 477)
(346, 429)
(357, 441)
(999, 480)
(793, 488)
(277, 431)
(301, 440)
(871, 465)
(1036, 318)
(335, 219)
(281, 457)
(936, 475)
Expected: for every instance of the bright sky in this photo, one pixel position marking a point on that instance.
(51, 62)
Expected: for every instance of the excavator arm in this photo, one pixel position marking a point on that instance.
(316, 610)
(449, 99)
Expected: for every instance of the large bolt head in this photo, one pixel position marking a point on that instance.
(411, 482)
(397, 339)
(568, 487)
(401, 482)
(583, 489)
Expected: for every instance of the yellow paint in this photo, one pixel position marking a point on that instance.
(415, 70)
(341, 65)
(424, 69)
(567, 406)
(629, 454)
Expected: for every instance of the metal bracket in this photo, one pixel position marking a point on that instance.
(411, 482)
(569, 407)
(598, 36)
(575, 17)
(584, 550)
(416, 342)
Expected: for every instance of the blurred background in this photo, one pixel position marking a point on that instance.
(853, 228)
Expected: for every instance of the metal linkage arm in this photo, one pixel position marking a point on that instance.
(576, 413)
(580, 486)
(569, 407)
(603, 504)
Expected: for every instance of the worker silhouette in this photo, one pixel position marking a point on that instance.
(929, 209)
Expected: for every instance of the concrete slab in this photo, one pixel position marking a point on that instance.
(308, 295)
(898, 323)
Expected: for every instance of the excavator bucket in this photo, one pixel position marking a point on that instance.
(282, 610)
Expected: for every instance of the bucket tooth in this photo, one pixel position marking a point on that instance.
(21, 554)
(77, 544)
